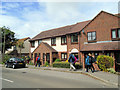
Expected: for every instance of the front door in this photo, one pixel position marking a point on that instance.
(43, 58)
(117, 61)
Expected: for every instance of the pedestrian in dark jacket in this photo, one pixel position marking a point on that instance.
(71, 61)
(89, 63)
(37, 61)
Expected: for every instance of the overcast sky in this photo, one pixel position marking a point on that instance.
(28, 19)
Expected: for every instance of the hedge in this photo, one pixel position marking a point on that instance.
(65, 65)
(57, 60)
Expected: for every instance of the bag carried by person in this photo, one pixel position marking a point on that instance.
(90, 59)
(38, 59)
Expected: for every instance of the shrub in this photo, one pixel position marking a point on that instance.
(31, 63)
(105, 62)
(111, 70)
(6, 57)
(57, 60)
(46, 64)
(65, 65)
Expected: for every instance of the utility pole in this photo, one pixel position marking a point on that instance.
(4, 44)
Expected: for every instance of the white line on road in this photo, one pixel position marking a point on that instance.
(7, 80)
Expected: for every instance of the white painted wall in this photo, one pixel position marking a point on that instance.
(47, 41)
(58, 47)
(36, 45)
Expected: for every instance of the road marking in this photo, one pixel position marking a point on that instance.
(6, 80)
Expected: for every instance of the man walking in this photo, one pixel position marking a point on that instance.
(89, 63)
(37, 61)
(71, 61)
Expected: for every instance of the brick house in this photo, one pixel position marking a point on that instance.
(97, 36)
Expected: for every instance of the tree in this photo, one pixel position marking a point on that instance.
(20, 45)
(8, 38)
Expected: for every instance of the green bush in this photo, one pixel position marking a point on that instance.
(105, 62)
(112, 70)
(6, 57)
(31, 63)
(46, 64)
(65, 65)
(57, 60)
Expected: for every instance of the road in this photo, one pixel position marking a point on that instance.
(37, 78)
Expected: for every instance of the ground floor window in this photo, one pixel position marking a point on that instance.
(63, 55)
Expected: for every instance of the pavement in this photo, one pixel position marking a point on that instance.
(105, 77)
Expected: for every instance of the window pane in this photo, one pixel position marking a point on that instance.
(62, 40)
(62, 56)
(65, 56)
(65, 40)
(72, 38)
(118, 33)
(114, 34)
(89, 34)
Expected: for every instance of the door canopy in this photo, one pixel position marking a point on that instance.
(74, 50)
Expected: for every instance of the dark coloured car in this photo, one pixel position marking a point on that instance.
(15, 62)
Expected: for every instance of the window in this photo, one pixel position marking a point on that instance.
(48, 57)
(115, 33)
(118, 33)
(53, 41)
(63, 40)
(74, 38)
(33, 44)
(91, 36)
(39, 41)
(63, 55)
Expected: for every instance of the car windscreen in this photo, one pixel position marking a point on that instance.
(19, 59)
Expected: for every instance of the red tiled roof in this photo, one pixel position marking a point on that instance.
(101, 46)
(47, 45)
(61, 31)
(23, 39)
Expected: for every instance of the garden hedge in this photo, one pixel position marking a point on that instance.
(65, 65)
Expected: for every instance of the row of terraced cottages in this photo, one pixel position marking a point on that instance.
(99, 36)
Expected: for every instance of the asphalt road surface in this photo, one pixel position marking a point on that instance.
(37, 78)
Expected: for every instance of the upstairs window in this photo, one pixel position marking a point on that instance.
(91, 36)
(39, 41)
(74, 38)
(115, 33)
(53, 41)
(63, 40)
(33, 44)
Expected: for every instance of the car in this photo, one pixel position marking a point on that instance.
(15, 62)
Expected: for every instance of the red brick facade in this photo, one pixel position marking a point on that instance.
(102, 25)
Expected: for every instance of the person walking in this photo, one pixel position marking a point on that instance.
(71, 61)
(89, 63)
(37, 61)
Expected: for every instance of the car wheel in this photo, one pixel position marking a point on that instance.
(13, 66)
(24, 66)
(6, 65)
